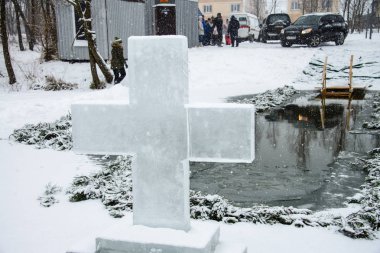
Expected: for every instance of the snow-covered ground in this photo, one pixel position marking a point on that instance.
(215, 73)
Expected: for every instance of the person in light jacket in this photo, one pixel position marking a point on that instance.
(201, 31)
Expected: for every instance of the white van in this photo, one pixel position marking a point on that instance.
(249, 26)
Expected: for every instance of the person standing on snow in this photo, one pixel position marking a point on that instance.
(218, 23)
(117, 60)
(233, 28)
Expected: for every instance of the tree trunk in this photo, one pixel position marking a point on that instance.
(33, 24)
(348, 14)
(87, 28)
(21, 45)
(4, 40)
(97, 57)
(47, 38)
(91, 42)
(96, 84)
(54, 27)
(26, 24)
(371, 19)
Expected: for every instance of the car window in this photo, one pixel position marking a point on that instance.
(242, 20)
(274, 18)
(307, 20)
(330, 19)
(324, 19)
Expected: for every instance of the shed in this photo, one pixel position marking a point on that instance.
(125, 18)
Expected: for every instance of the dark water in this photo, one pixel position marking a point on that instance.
(297, 161)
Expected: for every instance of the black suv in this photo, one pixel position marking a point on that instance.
(272, 26)
(312, 29)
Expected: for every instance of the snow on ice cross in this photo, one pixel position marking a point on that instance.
(163, 130)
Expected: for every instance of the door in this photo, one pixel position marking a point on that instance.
(165, 20)
(327, 29)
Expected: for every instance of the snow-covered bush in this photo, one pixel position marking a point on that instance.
(48, 199)
(366, 221)
(270, 98)
(112, 184)
(56, 135)
(58, 84)
(374, 123)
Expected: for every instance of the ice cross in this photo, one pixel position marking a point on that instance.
(163, 130)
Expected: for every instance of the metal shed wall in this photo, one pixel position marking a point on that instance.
(187, 20)
(124, 19)
(110, 18)
(149, 17)
(68, 48)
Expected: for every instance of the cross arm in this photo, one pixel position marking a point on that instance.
(221, 132)
(102, 127)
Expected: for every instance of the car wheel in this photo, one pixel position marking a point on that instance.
(251, 38)
(285, 43)
(339, 39)
(315, 40)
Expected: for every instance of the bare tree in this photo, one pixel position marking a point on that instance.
(95, 57)
(273, 6)
(256, 7)
(4, 40)
(48, 40)
(32, 18)
(28, 30)
(19, 34)
(372, 17)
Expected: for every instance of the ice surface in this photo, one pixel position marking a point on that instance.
(221, 132)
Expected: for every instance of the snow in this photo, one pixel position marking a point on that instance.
(215, 73)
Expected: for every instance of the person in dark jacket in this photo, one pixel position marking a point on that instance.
(218, 23)
(117, 60)
(233, 28)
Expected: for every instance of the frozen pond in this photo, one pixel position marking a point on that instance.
(298, 162)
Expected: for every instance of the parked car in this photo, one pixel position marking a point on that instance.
(312, 29)
(272, 26)
(249, 26)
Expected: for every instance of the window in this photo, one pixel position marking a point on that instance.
(79, 31)
(295, 5)
(207, 8)
(235, 7)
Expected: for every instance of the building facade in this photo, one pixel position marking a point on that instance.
(125, 18)
(297, 8)
(210, 8)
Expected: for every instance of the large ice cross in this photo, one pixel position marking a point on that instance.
(163, 130)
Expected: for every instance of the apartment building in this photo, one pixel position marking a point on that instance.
(298, 8)
(210, 8)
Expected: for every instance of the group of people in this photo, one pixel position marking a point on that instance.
(211, 31)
